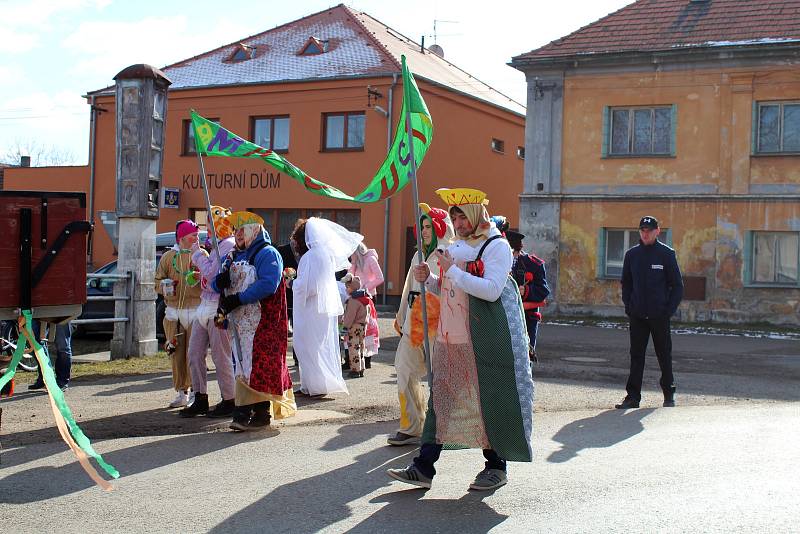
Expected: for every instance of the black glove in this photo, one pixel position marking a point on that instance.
(223, 280)
(229, 303)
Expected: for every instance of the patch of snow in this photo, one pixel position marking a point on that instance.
(688, 330)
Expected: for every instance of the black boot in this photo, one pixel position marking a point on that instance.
(669, 397)
(261, 418)
(241, 417)
(198, 407)
(367, 362)
(222, 410)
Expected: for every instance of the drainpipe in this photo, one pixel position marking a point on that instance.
(92, 150)
(386, 209)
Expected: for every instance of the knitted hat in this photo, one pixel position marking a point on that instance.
(184, 228)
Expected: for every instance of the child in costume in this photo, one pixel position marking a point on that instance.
(178, 282)
(409, 360)
(204, 333)
(255, 299)
(364, 264)
(356, 311)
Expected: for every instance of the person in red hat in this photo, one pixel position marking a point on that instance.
(409, 360)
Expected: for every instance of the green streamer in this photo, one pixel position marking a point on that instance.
(58, 395)
(12, 366)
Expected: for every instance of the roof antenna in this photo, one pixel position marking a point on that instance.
(422, 46)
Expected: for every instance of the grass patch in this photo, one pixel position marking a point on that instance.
(144, 365)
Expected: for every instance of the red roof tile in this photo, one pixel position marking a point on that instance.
(653, 25)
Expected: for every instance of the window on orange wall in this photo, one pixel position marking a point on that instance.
(188, 148)
(270, 132)
(200, 216)
(343, 131)
(498, 145)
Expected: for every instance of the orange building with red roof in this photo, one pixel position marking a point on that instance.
(324, 91)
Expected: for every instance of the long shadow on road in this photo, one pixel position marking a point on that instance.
(603, 430)
(333, 491)
(42, 483)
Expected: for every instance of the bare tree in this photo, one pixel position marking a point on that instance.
(41, 155)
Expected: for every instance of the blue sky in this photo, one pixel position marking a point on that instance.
(54, 51)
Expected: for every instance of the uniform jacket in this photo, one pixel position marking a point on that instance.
(529, 273)
(652, 286)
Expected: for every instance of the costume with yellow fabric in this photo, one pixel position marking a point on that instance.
(409, 360)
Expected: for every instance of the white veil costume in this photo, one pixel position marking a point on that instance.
(317, 306)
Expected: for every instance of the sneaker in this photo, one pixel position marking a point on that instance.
(181, 399)
(403, 439)
(410, 475)
(191, 397)
(489, 479)
(626, 404)
(35, 386)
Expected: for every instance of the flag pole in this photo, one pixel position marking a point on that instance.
(236, 341)
(417, 215)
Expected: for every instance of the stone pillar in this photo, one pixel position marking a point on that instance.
(540, 203)
(137, 246)
(141, 113)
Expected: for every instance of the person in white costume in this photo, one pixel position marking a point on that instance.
(324, 248)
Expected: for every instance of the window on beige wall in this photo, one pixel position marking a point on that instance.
(774, 258)
(612, 245)
(639, 131)
(776, 128)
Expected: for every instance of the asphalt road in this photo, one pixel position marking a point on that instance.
(724, 460)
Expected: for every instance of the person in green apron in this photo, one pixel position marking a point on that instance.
(482, 389)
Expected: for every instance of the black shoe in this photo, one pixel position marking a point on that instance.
(222, 410)
(261, 418)
(198, 407)
(35, 386)
(626, 404)
(367, 362)
(355, 374)
(669, 403)
(241, 417)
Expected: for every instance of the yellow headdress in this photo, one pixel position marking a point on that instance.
(472, 203)
(462, 195)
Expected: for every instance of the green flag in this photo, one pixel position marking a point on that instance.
(211, 139)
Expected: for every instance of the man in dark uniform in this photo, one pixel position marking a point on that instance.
(529, 273)
(652, 289)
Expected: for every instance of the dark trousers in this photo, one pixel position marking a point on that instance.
(532, 324)
(640, 331)
(62, 363)
(429, 454)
